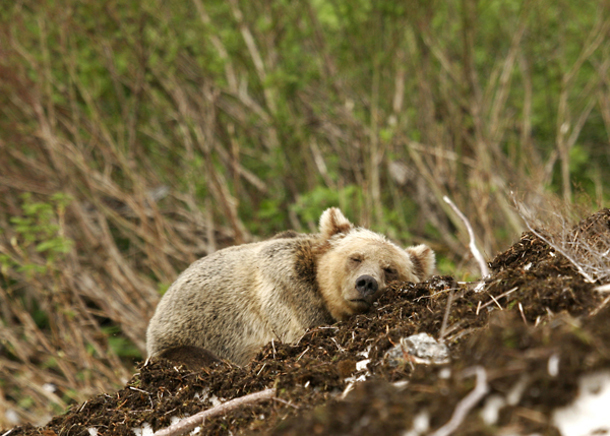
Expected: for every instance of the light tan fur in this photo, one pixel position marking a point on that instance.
(236, 300)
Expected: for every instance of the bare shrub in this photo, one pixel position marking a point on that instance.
(585, 243)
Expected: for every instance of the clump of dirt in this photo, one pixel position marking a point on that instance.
(543, 281)
(526, 335)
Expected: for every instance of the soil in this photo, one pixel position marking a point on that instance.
(532, 328)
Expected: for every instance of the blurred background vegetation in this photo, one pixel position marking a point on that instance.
(136, 137)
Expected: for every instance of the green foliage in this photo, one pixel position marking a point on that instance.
(50, 362)
(162, 288)
(119, 344)
(395, 224)
(40, 229)
(444, 265)
(269, 218)
(40, 316)
(124, 348)
(310, 205)
(26, 402)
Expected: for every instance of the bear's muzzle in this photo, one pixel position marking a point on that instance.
(366, 285)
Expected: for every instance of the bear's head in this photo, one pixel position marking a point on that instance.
(356, 265)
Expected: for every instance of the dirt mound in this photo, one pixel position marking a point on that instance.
(520, 341)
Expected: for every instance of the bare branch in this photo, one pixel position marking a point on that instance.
(467, 403)
(446, 316)
(190, 423)
(603, 288)
(579, 268)
(550, 241)
(473, 247)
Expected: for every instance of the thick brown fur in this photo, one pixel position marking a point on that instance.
(236, 300)
(194, 358)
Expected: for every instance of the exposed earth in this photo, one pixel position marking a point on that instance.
(522, 340)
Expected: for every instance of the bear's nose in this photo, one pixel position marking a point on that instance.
(366, 285)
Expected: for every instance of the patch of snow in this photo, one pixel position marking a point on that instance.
(49, 387)
(360, 378)
(362, 364)
(12, 417)
(479, 287)
(401, 384)
(145, 430)
(527, 267)
(442, 284)
(491, 410)
(205, 396)
(514, 395)
(588, 413)
(421, 424)
(351, 382)
(444, 373)
(553, 365)
(92, 431)
(365, 353)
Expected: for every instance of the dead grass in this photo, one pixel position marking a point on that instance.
(586, 243)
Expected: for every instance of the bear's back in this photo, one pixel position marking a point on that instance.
(239, 298)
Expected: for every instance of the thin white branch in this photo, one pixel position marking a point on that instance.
(467, 403)
(580, 269)
(601, 306)
(191, 422)
(473, 247)
(499, 296)
(603, 288)
(586, 248)
(446, 317)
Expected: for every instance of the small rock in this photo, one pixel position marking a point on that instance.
(419, 348)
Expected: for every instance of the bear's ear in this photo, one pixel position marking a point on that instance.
(333, 222)
(423, 259)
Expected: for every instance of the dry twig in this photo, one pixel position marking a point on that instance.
(446, 316)
(473, 246)
(191, 422)
(579, 268)
(467, 403)
(558, 243)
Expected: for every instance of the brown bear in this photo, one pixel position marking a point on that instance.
(236, 300)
